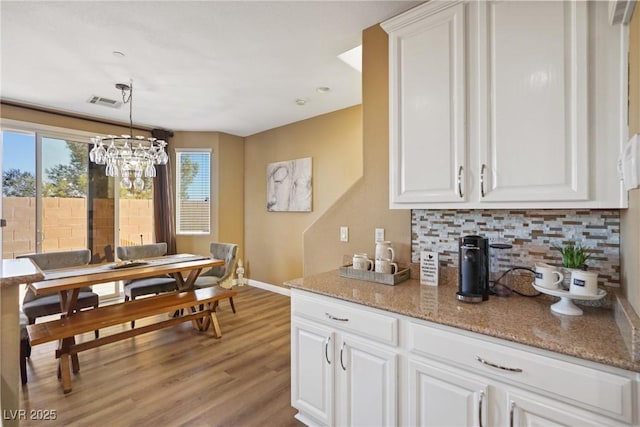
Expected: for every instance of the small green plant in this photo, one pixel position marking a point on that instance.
(574, 256)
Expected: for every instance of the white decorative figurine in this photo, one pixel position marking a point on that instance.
(240, 281)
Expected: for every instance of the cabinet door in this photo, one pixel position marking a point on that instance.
(531, 116)
(444, 396)
(368, 384)
(312, 385)
(427, 106)
(528, 410)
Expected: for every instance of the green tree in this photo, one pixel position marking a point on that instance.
(188, 171)
(17, 183)
(69, 180)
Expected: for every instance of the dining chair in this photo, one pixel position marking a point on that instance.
(35, 306)
(150, 285)
(216, 275)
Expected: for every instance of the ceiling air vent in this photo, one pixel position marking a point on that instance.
(106, 102)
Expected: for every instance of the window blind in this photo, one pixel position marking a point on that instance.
(193, 180)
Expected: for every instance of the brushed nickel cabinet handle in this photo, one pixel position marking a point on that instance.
(493, 365)
(482, 179)
(340, 319)
(460, 169)
(326, 348)
(342, 351)
(480, 401)
(512, 409)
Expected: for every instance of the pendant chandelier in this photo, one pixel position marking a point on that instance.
(130, 158)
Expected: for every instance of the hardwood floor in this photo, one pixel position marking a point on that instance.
(177, 376)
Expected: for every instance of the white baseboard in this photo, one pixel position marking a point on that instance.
(269, 287)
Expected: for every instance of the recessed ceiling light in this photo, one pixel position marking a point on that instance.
(323, 89)
(118, 54)
(301, 101)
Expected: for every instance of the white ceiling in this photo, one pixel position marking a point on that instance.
(229, 66)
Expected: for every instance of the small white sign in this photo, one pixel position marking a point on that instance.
(429, 268)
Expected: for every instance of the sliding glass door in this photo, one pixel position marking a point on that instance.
(54, 199)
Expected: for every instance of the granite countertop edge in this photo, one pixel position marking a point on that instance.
(594, 336)
(16, 272)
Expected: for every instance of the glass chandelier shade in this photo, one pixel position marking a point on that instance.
(127, 157)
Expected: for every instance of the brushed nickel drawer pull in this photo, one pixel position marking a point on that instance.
(340, 319)
(512, 410)
(480, 399)
(326, 347)
(482, 179)
(493, 365)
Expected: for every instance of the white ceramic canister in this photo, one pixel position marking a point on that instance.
(384, 250)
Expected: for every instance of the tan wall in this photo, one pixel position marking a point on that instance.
(274, 240)
(366, 206)
(630, 218)
(227, 186)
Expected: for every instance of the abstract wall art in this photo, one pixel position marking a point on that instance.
(289, 186)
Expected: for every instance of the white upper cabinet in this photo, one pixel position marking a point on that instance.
(531, 125)
(428, 102)
(504, 104)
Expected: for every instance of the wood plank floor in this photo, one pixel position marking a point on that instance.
(177, 376)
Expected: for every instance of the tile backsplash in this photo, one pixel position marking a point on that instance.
(532, 233)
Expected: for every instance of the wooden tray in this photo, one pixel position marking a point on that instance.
(372, 276)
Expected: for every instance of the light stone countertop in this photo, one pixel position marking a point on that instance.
(593, 336)
(14, 272)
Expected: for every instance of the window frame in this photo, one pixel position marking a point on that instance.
(179, 152)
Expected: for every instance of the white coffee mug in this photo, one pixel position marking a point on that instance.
(583, 283)
(384, 265)
(362, 262)
(384, 250)
(547, 276)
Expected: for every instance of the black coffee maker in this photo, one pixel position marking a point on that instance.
(473, 269)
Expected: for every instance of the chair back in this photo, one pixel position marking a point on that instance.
(227, 252)
(54, 260)
(150, 250)
(60, 259)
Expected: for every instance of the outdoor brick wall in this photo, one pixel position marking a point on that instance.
(65, 224)
(136, 222)
(18, 237)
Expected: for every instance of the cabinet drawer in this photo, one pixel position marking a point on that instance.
(603, 392)
(347, 317)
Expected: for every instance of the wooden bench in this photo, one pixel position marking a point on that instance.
(200, 305)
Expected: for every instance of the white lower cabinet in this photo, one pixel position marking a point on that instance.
(312, 356)
(368, 384)
(441, 396)
(353, 365)
(339, 378)
(529, 410)
(519, 386)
